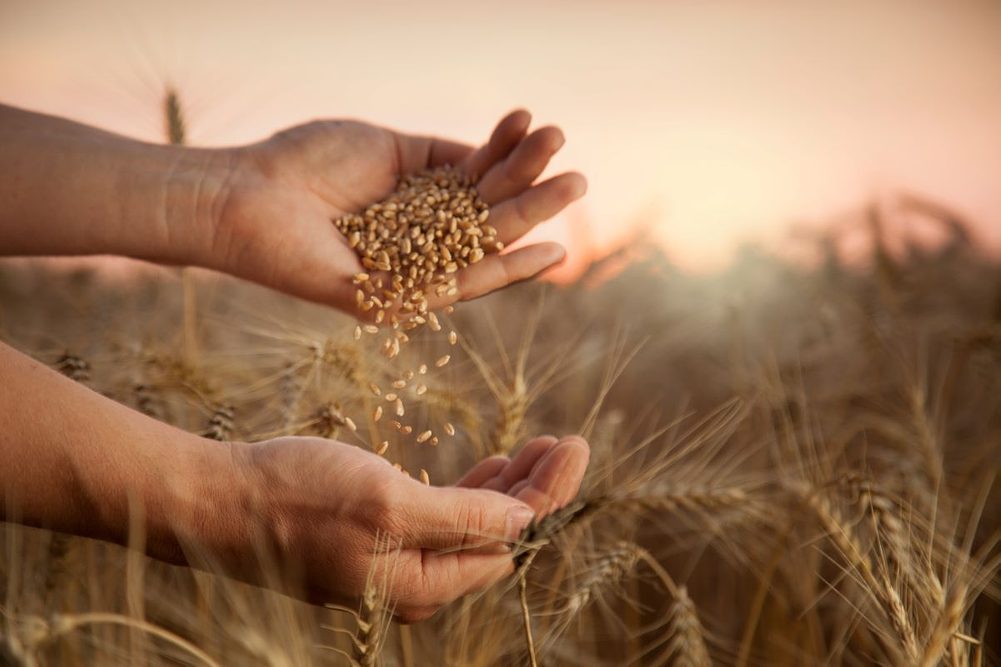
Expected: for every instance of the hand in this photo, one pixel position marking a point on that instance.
(323, 503)
(276, 227)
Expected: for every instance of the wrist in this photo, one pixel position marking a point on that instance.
(172, 199)
(204, 502)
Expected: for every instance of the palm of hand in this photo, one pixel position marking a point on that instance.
(329, 500)
(277, 223)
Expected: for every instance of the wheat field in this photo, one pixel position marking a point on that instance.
(791, 465)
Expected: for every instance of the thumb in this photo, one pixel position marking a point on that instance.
(450, 517)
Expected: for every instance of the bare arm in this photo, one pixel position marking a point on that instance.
(71, 459)
(264, 211)
(70, 189)
(75, 461)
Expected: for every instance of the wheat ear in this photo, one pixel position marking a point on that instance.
(879, 586)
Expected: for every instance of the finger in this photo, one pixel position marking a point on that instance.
(513, 218)
(529, 158)
(486, 469)
(556, 479)
(518, 488)
(406, 615)
(440, 578)
(561, 472)
(457, 518)
(496, 271)
(521, 466)
(508, 133)
(462, 573)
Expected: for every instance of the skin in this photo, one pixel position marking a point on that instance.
(264, 212)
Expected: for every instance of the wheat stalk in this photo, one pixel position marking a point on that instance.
(605, 571)
(147, 400)
(73, 367)
(686, 646)
(878, 586)
(174, 127)
(221, 423)
(374, 609)
(371, 628)
(512, 406)
(946, 626)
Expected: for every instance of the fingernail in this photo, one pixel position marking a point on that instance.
(518, 519)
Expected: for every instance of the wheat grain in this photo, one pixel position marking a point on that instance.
(430, 227)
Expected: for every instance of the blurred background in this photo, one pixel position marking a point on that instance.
(702, 126)
(817, 375)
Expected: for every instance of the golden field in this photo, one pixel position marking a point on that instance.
(791, 465)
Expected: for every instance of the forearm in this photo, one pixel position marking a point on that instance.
(70, 189)
(75, 461)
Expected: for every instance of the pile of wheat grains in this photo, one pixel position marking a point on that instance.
(412, 244)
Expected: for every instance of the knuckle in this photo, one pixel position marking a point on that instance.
(524, 169)
(470, 519)
(384, 511)
(522, 211)
(416, 590)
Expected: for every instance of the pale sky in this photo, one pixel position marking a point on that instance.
(716, 122)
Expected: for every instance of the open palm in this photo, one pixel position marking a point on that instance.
(276, 225)
(447, 536)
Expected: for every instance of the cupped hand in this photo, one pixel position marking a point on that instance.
(324, 503)
(275, 223)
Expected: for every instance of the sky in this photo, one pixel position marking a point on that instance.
(704, 124)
